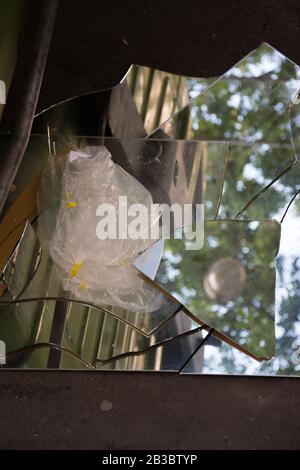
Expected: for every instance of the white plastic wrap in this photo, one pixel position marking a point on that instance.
(93, 270)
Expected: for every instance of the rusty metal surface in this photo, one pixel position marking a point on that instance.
(66, 410)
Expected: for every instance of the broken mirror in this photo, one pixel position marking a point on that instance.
(229, 282)
(232, 145)
(144, 99)
(93, 339)
(30, 275)
(219, 358)
(253, 107)
(175, 172)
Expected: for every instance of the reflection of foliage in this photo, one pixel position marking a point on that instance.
(250, 104)
(253, 104)
(248, 319)
(287, 328)
(289, 314)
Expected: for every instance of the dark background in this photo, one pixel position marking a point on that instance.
(95, 41)
(62, 410)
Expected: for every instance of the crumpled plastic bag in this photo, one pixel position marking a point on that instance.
(97, 271)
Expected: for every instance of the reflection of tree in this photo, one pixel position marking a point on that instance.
(289, 314)
(250, 104)
(253, 104)
(274, 127)
(248, 318)
(254, 110)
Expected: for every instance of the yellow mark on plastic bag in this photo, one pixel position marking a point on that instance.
(124, 263)
(74, 269)
(69, 203)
